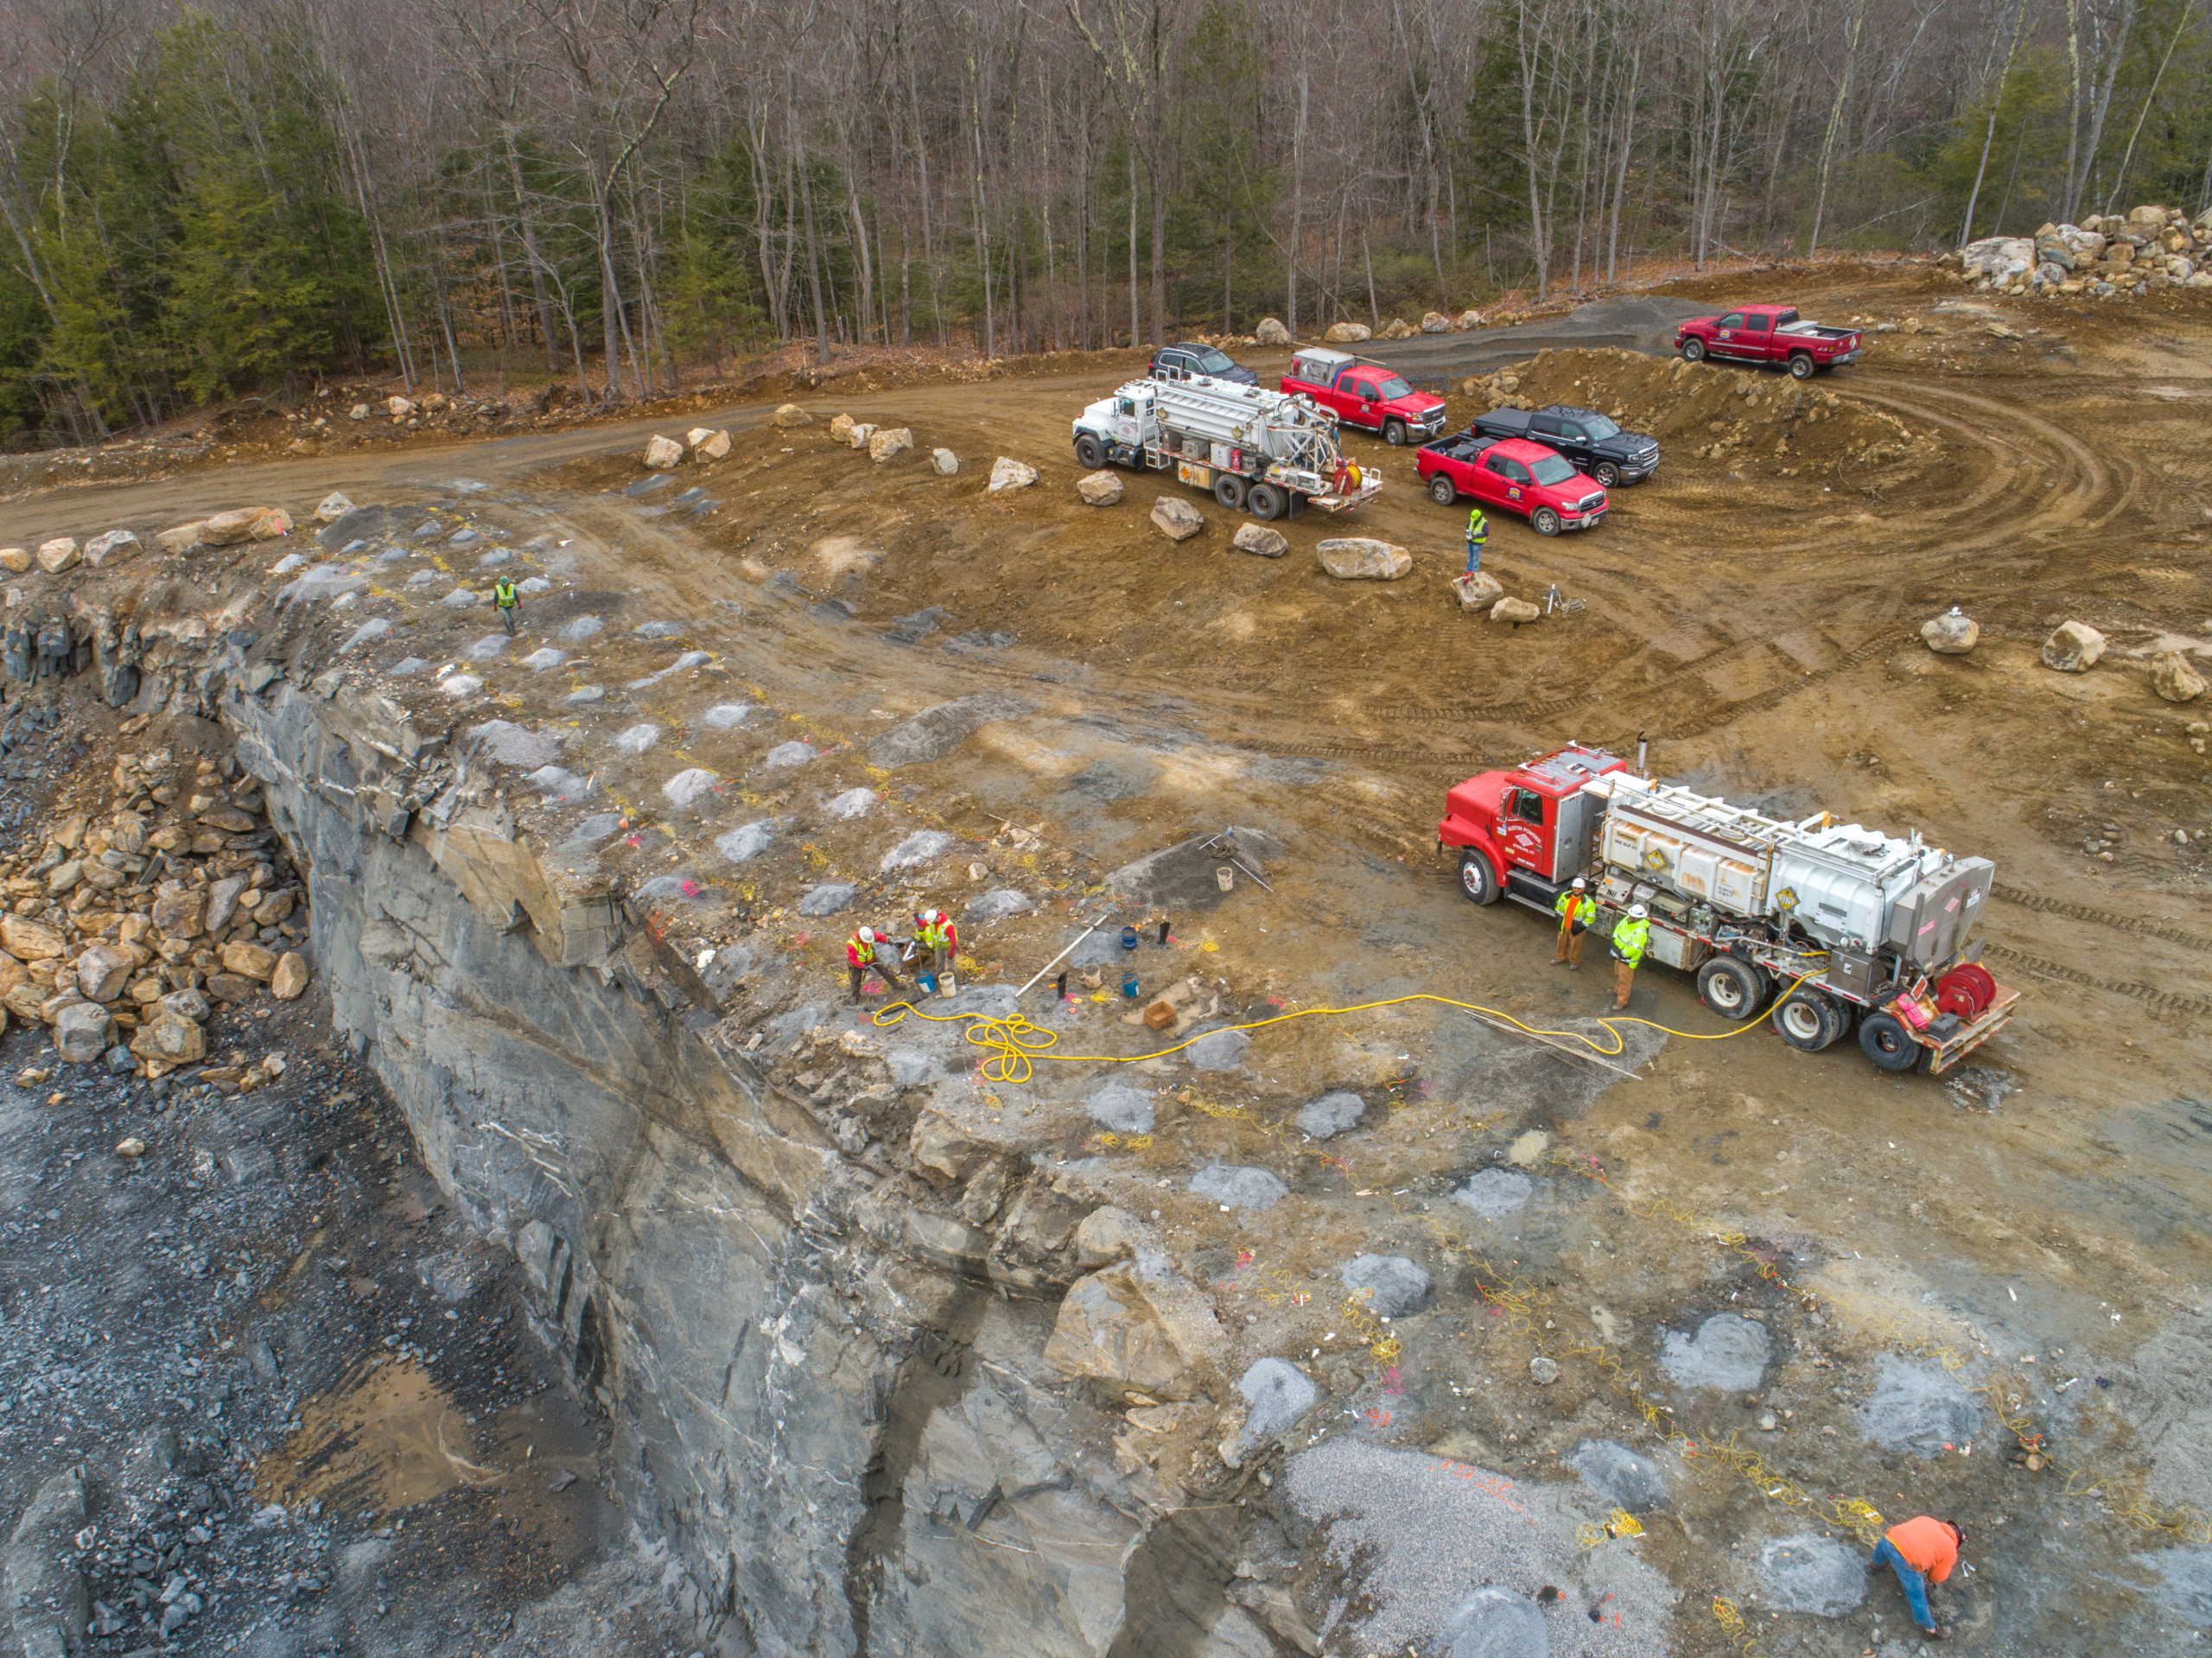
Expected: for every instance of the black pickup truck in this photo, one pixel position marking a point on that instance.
(1583, 436)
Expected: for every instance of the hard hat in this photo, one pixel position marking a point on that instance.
(1636, 912)
(1579, 884)
(931, 915)
(867, 935)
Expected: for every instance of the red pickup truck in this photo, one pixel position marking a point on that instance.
(1514, 474)
(1768, 333)
(1361, 393)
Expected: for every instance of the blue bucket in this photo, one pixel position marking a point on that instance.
(928, 981)
(1129, 986)
(1129, 938)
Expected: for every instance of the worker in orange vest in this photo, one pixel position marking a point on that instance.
(866, 952)
(1922, 1550)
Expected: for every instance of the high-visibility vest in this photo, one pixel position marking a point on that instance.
(859, 953)
(1630, 938)
(933, 935)
(503, 594)
(1571, 906)
(1478, 526)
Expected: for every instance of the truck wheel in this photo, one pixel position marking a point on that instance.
(1089, 452)
(1606, 474)
(1807, 1020)
(1885, 1039)
(1394, 434)
(1229, 490)
(1731, 988)
(1694, 351)
(1476, 878)
(1544, 521)
(1800, 366)
(1442, 490)
(1264, 502)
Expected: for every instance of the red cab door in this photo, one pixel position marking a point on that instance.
(1526, 822)
(1355, 397)
(1727, 336)
(1505, 482)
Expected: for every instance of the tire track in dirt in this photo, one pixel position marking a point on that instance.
(2037, 903)
(2164, 1000)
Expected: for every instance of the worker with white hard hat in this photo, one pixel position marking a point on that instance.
(1631, 934)
(1576, 910)
(937, 945)
(868, 951)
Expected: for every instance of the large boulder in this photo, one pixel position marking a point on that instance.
(1515, 611)
(886, 442)
(1100, 488)
(1399, 329)
(244, 524)
(859, 434)
(663, 452)
(180, 911)
(1260, 541)
(1470, 320)
(290, 978)
(103, 971)
(2073, 648)
(2174, 679)
(1176, 519)
(1435, 322)
(249, 960)
(1999, 259)
(790, 414)
(83, 1031)
(58, 555)
(169, 1039)
(1271, 333)
(1006, 472)
(946, 462)
(1952, 634)
(1347, 334)
(181, 538)
(841, 428)
(29, 940)
(706, 443)
(111, 544)
(332, 507)
(15, 560)
(1361, 558)
(1477, 590)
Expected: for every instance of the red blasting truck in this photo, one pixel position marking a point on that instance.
(1849, 925)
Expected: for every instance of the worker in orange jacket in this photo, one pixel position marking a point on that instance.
(1922, 1550)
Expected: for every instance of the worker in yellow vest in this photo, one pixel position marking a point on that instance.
(865, 954)
(1576, 910)
(937, 945)
(1631, 935)
(503, 595)
(1477, 538)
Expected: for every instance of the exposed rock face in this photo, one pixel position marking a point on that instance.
(1360, 558)
(2073, 648)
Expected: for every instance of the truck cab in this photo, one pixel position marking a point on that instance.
(1365, 394)
(1525, 834)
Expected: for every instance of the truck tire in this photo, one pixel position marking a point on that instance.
(1607, 474)
(1800, 366)
(1394, 434)
(1229, 490)
(1883, 1038)
(1264, 502)
(1694, 351)
(1442, 490)
(1090, 454)
(1807, 1020)
(1733, 988)
(1544, 521)
(1477, 879)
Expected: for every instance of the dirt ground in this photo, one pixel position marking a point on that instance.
(2021, 1246)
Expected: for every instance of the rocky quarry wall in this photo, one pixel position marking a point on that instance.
(828, 1377)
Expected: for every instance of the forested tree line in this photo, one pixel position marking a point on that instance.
(242, 198)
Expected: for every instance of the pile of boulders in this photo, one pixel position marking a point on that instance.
(126, 930)
(2148, 247)
(1353, 333)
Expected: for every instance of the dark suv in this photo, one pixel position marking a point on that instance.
(1189, 362)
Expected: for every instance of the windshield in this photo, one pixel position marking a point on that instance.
(1214, 362)
(1552, 469)
(1598, 428)
(1393, 388)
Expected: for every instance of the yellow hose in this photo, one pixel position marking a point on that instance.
(1015, 1043)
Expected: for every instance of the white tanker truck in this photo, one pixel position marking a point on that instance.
(1266, 453)
(1870, 928)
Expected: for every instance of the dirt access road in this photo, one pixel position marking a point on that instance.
(1753, 609)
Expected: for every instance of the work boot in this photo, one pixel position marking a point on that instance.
(1938, 1634)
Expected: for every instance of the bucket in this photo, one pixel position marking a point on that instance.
(928, 981)
(1224, 877)
(1129, 986)
(1129, 938)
